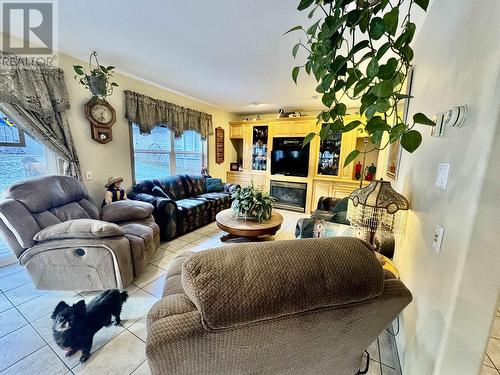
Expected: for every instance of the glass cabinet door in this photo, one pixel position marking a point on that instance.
(329, 155)
(259, 147)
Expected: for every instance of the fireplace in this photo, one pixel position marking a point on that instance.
(290, 195)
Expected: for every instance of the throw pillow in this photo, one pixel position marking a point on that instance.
(79, 228)
(214, 185)
(340, 218)
(126, 210)
(341, 205)
(159, 192)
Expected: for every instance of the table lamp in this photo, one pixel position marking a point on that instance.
(378, 207)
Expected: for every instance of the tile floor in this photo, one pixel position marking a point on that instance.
(491, 363)
(26, 342)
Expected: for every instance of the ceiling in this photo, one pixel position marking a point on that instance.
(224, 52)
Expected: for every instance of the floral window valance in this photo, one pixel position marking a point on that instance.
(147, 113)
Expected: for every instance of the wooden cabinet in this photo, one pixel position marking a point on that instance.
(332, 188)
(320, 189)
(245, 179)
(236, 131)
(245, 134)
(292, 128)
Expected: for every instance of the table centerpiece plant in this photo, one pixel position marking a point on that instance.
(250, 203)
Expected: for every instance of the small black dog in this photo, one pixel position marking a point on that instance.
(74, 326)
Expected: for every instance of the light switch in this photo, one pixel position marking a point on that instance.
(88, 175)
(442, 176)
(438, 238)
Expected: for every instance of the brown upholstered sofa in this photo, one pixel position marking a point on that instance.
(309, 306)
(58, 234)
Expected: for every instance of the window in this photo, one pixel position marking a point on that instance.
(21, 156)
(160, 154)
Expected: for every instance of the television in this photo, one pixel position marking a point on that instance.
(289, 158)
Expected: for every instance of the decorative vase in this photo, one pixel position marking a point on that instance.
(97, 85)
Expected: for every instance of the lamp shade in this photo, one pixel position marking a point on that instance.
(378, 207)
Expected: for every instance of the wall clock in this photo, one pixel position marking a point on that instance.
(101, 116)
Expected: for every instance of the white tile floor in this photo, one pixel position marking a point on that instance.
(491, 363)
(26, 342)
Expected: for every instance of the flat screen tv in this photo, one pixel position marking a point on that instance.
(289, 158)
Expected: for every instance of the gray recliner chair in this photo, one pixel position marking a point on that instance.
(58, 234)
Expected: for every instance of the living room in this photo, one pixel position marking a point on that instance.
(208, 107)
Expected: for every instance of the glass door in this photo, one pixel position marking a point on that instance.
(259, 147)
(329, 155)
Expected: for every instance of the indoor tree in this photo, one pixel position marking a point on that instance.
(360, 49)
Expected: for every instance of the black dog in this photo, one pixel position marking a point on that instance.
(74, 326)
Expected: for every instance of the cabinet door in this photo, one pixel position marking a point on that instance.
(259, 148)
(282, 129)
(259, 181)
(344, 188)
(302, 128)
(239, 178)
(320, 189)
(236, 131)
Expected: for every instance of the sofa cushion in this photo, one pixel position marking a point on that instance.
(340, 218)
(192, 206)
(196, 184)
(126, 210)
(158, 192)
(341, 205)
(222, 199)
(79, 228)
(214, 185)
(246, 283)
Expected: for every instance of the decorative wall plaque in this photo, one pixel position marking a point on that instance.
(219, 145)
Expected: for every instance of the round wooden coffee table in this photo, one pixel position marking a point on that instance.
(252, 230)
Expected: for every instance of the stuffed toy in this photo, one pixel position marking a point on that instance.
(114, 191)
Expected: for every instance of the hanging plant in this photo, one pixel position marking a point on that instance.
(360, 49)
(97, 79)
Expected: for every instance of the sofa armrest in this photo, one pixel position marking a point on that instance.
(79, 228)
(231, 188)
(126, 210)
(165, 213)
(327, 203)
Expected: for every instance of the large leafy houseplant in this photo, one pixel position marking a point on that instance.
(360, 49)
(251, 203)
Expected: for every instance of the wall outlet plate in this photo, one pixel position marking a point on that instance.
(438, 238)
(442, 175)
(88, 175)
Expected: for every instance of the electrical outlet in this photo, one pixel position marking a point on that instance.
(88, 175)
(438, 238)
(442, 175)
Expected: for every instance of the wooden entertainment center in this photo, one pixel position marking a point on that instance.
(253, 145)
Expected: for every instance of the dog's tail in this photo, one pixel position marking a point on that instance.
(124, 296)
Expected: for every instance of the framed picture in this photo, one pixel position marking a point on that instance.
(394, 151)
(234, 167)
(219, 145)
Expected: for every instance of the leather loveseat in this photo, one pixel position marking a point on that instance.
(181, 203)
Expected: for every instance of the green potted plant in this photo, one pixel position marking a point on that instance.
(250, 203)
(97, 79)
(361, 50)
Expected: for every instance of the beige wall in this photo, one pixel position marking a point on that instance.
(113, 159)
(445, 329)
